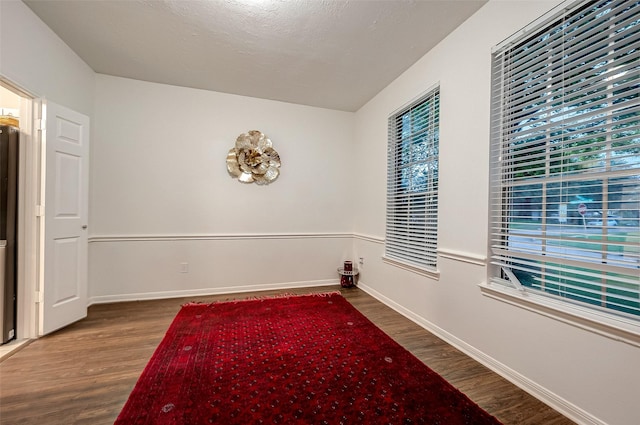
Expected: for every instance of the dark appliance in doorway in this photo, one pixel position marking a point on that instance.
(9, 145)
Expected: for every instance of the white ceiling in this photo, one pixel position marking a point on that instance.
(335, 54)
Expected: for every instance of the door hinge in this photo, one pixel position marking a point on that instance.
(39, 297)
(41, 124)
(39, 210)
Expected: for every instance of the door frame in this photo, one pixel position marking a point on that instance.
(30, 215)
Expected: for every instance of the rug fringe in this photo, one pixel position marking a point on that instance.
(285, 295)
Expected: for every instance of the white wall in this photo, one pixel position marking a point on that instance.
(161, 194)
(588, 377)
(35, 59)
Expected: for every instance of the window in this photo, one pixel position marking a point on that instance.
(565, 184)
(412, 184)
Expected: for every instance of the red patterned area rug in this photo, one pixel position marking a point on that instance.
(311, 359)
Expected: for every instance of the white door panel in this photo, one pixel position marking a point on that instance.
(64, 284)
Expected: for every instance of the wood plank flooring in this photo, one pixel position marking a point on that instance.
(84, 373)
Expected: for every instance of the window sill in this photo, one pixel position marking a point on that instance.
(601, 323)
(427, 272)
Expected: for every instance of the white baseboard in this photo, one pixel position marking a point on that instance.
(556, 402)
(103, 299)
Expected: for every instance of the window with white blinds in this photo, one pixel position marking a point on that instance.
(412, 183)
(565, 158)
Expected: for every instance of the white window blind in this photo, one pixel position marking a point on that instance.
(412, 183)
(565, 152)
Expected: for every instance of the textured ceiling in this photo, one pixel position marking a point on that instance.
(335, 54)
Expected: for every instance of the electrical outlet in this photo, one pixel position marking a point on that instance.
(184, 267)
(361, 261)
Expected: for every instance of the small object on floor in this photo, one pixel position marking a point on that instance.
(348, 275)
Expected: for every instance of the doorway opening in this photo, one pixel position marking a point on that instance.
(21, 110)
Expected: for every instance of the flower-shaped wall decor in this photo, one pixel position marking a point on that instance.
(253, 159)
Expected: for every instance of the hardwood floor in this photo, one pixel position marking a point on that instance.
(84, 373)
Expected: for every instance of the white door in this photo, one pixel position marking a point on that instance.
(64, 283)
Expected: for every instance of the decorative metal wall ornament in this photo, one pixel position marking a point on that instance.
(253, 159)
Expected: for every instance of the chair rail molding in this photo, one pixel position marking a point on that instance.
(214, 237)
